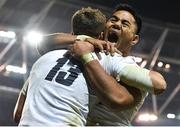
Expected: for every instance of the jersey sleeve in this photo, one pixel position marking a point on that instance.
(127, 71)
(117, 63)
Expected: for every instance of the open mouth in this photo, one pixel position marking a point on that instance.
(112, 37)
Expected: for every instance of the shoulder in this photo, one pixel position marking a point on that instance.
(52, 55)
(130, 59)
(119, 60)
(48, 58)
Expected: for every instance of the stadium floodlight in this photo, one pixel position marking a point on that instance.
(33, 37)
(16, 69)
(167, 66)
(147, 117)
(171, 115)
(138, 59)
(7, 34)
(160, 64)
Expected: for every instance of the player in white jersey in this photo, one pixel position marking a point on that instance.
(57, 92)
(123, 28)
(104, 78)
(54, 94)
(99, 114)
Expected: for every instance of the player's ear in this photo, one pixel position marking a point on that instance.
(135, 40)
(101, 36)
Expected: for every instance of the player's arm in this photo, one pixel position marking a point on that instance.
(144, 79)
(20, 102)
(55, 41)
(108, 90)
(158, 81)
(64, 41)
(150, 81)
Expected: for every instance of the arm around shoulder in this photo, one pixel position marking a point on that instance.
(55, 41)
(143, 79)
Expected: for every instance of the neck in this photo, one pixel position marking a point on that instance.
(125, 52)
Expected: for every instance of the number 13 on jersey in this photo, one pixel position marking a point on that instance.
(63, 77)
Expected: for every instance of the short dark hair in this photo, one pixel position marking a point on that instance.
(88, 21)
(131, 10)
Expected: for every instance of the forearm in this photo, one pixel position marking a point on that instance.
(143, 79)
(20, 102)
(109, 91)
(55, 41)
(19, 107)
(159, 83)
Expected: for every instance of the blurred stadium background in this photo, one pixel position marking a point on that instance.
(22, 21)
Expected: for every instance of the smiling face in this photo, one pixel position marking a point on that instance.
(121, 28)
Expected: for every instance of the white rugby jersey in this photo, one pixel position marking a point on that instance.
(100, 114)
(57, 93)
